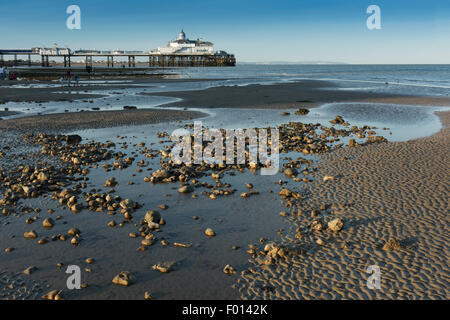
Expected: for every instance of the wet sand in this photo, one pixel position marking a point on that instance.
(64, 122)
(382, 190)
(398, 190)
(310, 93)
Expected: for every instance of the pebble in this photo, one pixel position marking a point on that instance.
(229, 269)
(124, 278)
(48, 223)
(30, 235)
(336, 225)
(209, 232)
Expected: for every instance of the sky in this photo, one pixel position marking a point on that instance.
(412, 31)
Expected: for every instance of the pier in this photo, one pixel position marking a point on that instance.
(153, 59)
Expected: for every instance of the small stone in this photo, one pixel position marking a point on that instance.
(152, 216)
(336, 225)
(48, 223)
(74, 242)
(229, 269)
(8, 250)
(29, 270)
(320, 242)
(185, 189)
(73, 232)
(284, 214)
(164, 267)
(53, 295)
(290, 172)
(124, 278)
(89, 260)
(147, 296)
(326, 178)
(30, 235)
(43, 241)
(209, 232)
(392, 244)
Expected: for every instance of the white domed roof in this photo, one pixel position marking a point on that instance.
(181, 35)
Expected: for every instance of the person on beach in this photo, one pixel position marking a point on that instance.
(2, 75)
(13, 76)
(6, 72)
(69, 75)
(76, 80)
(61, 80)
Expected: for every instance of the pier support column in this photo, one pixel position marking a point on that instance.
(29, 60)
(2, 61)
(112, 61)
(43, 61)
(70, 64)
(15, 60)
(65, 62)
(47, 61)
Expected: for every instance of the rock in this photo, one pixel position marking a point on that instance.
(147, 296)
(73, 139)
(317, 225)
(30, 235)
(129, 107)
(124, 278)
(73, 232)
(147, 242)
(229, 269)
(209, 232)
(8, 250)
(336, 225)
(185, 189)
(128, 204)
(164, 267)
(43, 241)
(29, 270)
(284, 214)
(320, 242)
(352, 143)
(74, 242)
(326, 178)
(48, 223)
(160, 174)
(53, 295)
(301, 111)
(89, 260)
(111, 182)
(42, 177)
(290, 172)
(392, 244)
(152, 216)
(112, 224)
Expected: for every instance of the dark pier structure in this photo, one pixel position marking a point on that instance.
(219, 59)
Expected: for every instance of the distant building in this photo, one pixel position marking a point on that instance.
(183, 45)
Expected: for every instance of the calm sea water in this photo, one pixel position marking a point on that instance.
(405, 79)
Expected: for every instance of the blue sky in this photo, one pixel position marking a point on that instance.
(413, 31)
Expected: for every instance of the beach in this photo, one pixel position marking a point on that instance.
(367, 171)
